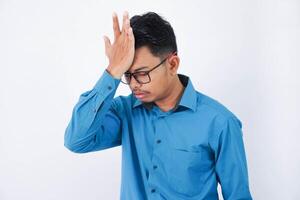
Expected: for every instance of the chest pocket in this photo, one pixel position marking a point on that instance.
(190, 166)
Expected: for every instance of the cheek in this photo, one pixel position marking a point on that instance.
(156, 86)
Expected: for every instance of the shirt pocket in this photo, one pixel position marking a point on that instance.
(188, 169)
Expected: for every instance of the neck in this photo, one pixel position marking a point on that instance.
(172, 96)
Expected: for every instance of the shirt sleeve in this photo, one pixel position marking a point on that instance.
(95, 123)
(231, 165)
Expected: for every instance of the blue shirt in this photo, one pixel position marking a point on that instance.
(177, 155)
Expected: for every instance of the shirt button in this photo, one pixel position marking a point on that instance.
(109, 87)
(158, 141)
(155, 167)
(153, 190)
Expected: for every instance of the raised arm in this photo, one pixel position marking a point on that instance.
(96, 118)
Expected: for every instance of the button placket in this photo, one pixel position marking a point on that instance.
(154, 166)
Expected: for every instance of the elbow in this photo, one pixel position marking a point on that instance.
(73, 148)
(72, 144)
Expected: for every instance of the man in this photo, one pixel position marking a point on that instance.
(177, 143)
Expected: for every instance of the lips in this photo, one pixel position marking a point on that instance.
(139, 94)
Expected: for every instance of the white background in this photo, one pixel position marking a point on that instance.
(246, 54)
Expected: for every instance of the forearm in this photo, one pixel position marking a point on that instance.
(89, 113)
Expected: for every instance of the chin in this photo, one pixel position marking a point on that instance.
(146, 100)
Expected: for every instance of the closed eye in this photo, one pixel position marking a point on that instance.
(141, 73)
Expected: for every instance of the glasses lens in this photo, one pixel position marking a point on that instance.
(142, 77)
(126, 78)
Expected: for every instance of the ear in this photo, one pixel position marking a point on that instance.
(173, 64)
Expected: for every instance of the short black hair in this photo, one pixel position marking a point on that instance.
(153, 31)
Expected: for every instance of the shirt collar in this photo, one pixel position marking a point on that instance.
(188, 98)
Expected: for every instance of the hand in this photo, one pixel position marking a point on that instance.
(121, 52)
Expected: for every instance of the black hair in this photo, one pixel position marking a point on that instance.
(153, 31)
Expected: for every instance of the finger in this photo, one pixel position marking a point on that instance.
(107, 43)
(129, 39)
(126, 33)
(116, 26)
(126, 26)
(125, 17)
(130, 34)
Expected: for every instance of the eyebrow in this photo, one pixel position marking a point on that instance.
(139, 69)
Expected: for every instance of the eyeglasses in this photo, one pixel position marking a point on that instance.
(141, 77)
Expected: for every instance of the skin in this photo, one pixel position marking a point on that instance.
(165, 88)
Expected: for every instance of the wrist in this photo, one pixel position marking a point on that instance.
(114, 73)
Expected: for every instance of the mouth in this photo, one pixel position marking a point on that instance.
(140, 95)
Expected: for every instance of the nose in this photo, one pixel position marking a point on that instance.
(134, 84)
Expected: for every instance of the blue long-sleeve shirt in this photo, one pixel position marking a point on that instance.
(177, 155)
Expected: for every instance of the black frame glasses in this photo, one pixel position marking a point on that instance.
(127, 75)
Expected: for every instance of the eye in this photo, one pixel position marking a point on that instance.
(142, 73)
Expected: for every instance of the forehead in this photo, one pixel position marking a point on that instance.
(143, 58)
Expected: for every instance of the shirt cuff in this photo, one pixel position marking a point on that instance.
(106, 84)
